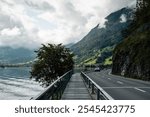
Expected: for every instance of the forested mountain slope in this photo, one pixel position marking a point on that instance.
(131, 58)
(103, 38)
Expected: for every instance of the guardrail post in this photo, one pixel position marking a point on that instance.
(86, 80)
(92, 88)
(89, 83)
(98, 94)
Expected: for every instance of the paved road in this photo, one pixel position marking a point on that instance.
(121, 88)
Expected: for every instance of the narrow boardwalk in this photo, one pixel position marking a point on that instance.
(76, 89)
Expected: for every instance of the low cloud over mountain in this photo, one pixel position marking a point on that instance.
(28, 23)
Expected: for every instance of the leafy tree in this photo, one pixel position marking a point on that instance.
(141, 16)
(52, 62)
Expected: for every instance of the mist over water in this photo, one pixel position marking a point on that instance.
(15, 84)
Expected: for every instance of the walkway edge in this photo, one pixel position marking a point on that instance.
(87, 87)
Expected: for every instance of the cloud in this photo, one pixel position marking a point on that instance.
(10, 32)
(28, 23)
(123, 18)
(40, 5)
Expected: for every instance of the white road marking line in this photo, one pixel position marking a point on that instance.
(139, 89)
(119, 82)
(109, 78)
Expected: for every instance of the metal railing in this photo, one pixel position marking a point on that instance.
(96, 89)
(56, 89)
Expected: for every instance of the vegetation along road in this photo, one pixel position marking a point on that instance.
(121, 88)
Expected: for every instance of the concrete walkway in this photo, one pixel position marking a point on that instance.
(76, 89)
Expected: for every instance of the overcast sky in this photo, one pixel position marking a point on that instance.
(28, 23)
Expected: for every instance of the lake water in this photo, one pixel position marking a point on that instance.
(15, 84)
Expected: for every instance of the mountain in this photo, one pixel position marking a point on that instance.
(131, 58)
(69, 45)
(99, 39)
(16, 55)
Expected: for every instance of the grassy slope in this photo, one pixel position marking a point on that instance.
(93, 59)
(108, 61)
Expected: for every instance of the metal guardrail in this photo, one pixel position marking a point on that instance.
(56, 89)
(96, 89)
